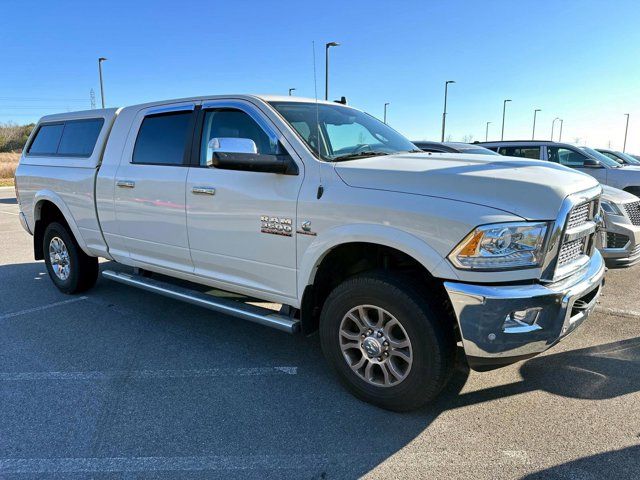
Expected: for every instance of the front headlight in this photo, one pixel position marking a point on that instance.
(501, 246)
(610, 207)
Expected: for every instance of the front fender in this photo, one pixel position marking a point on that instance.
(48, 195)
(370, 233)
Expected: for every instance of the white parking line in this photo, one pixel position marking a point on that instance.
(148, 374)
(43, 307)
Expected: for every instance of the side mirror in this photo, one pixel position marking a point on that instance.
(242, 154)
(591, 163)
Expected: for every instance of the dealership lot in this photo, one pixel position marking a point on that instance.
(120, 383)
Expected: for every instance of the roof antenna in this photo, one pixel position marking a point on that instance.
(315, 87)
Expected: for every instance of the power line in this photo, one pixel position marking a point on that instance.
(43, 99)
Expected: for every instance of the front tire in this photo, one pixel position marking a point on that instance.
(70, 269)
(385, 341)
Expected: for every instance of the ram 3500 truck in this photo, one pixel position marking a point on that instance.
(395, 257)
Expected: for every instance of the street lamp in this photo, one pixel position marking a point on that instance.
(326, 67)
(504, 109)
(444, 113)
(486, 132)
(100, 60)
(291, 90)
(624, 146)
(385, 112)
(561, 123)
(553, 124)
(535, 112)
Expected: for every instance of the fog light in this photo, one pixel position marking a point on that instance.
(522, 321)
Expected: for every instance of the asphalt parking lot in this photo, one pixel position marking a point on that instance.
(120, 383)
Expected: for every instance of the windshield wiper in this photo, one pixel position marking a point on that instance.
(353, 156)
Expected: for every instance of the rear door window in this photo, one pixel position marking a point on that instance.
(523, 152)
(162, 139)
(46, 140)
(79, 137)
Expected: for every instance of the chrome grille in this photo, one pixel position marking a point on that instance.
(571, 251)
(579, 216)
(633, 210)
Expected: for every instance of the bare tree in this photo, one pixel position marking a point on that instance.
(467, 138)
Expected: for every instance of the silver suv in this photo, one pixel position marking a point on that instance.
(587, 160)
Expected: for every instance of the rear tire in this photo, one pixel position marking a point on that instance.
(70, 269)
(419, 355)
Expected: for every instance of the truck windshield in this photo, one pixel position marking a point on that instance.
(601, 157)
(628, 158)
(337, 133)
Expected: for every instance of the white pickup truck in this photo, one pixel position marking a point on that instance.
(394, 255)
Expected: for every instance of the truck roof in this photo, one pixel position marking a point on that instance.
(101, 112)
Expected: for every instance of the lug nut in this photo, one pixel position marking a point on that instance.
(379, 359)
(386, 354)
(379, 333)
(369, 332)
(363, 335)
(385, 343)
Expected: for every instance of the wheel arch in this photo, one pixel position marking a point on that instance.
(348, 250)
(49, 207)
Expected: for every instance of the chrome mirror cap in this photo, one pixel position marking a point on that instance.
(232, 145)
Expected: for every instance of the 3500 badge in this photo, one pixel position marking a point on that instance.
(276, 225)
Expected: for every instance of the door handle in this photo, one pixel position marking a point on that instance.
(125, 183)
(203, 190)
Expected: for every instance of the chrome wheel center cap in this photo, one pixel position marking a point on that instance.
(372, 347)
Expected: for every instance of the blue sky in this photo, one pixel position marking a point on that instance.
(577, 60)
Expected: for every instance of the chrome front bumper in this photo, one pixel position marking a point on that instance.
(481, 311)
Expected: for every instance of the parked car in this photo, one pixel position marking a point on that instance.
(452, 147)
(619, 240)
(607, 171)
(393, 256)
(620, 157)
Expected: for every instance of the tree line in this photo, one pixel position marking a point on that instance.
(14, 136)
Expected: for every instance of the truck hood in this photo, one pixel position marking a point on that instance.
(616, 195)
(531, 189)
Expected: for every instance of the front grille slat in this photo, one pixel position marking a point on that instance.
(633, 210)
(572, 250)
(578, 216)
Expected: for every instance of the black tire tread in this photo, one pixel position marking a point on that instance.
(84, 269)
(402, 291)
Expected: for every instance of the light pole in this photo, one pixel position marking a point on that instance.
(444, 113)
(326, 67)
(385, 112)
(504, 109)
(100, 60)
(291, 90)
(553, 125)
(486, 132)
(535, 112)
(561, 123)
(624, 146)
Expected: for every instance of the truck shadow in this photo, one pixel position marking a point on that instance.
(305, 424)
(594, 373)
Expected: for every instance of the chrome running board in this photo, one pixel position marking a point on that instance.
(234, 308)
